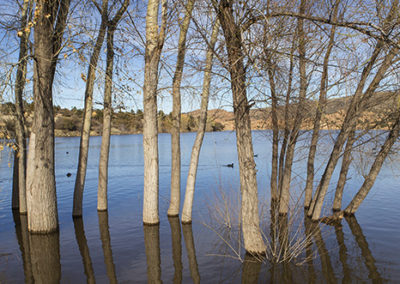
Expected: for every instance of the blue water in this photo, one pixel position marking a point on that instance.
(216, 262)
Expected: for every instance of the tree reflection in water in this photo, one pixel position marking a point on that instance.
(84, 250)
(191, 252)
(152, 247)
(176, 247)
(21, 230)
(106, 244)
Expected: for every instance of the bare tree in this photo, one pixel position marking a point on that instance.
(50, 17)
(87, 113)
(155, 37)
(107, 110)
(174, 205)
(194, 159)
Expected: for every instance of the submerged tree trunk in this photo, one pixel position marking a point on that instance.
(154, 44)
(284, 197)
(346, 161)
(87, 116)
(375, 169)
(175, 200)
(319, 112)
(102, 204)
(20, 121)
(194, 159)
(253, 241)
(41, 196)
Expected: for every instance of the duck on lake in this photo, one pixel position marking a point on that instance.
(229, 165)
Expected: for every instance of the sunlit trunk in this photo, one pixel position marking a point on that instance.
(175, 200)
(194, 160)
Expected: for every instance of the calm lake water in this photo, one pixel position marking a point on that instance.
(114, 247)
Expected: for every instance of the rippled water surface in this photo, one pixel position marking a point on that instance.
(115, 247)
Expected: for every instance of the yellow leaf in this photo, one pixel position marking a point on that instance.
(83, 77)
(65, 56)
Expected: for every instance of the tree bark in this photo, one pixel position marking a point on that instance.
(174, 204)
(15, 186)
(346, 161)
(41, 196)
(154, 44)
(87, 115)
(253, 241)
(194, 159)
(319, 111)
(20, 121)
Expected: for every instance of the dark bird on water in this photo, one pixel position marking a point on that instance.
(229, 165)
(69, 174)
(256, 155)
(67, 153)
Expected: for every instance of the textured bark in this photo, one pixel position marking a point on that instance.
(102, 203)
(175, 199)
(41, 196)
(346, 161)
(191, 252)
(194, 159)
(287, 172)
(361, 241)
(319, 111)
(154, 44)
(106, 244)
(253, 241)
(45, 257)
(87, 115)
(84, 250)
(152, 247)
(21, 230)
(30, 168)
(176, 248)
(20, 119)
(375, 169)
(357, 104)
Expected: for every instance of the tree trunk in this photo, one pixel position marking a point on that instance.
(106, 244)
(107, 112)
(15, 187)
(174, 204)
(87, 116)
(346, 161)
(154, 44)
(253, 241)
(319, 111)
(41, 196)
(287, 173)
(194, 159)
(20, 121)
(30, 161)
(375, 169)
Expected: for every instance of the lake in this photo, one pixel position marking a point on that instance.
(114, 247)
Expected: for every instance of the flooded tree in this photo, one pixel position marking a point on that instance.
(50, 18)
(155, 37)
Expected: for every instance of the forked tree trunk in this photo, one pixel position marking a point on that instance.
(375, 169)
(102, 203)
(20, 121)
(319, 111)
(175, 200)
(284, 197)
(87, 116)
(356, 106)
(154, 44)
(253, 241)
(346, 161)
(194, 159)
(41, 196)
